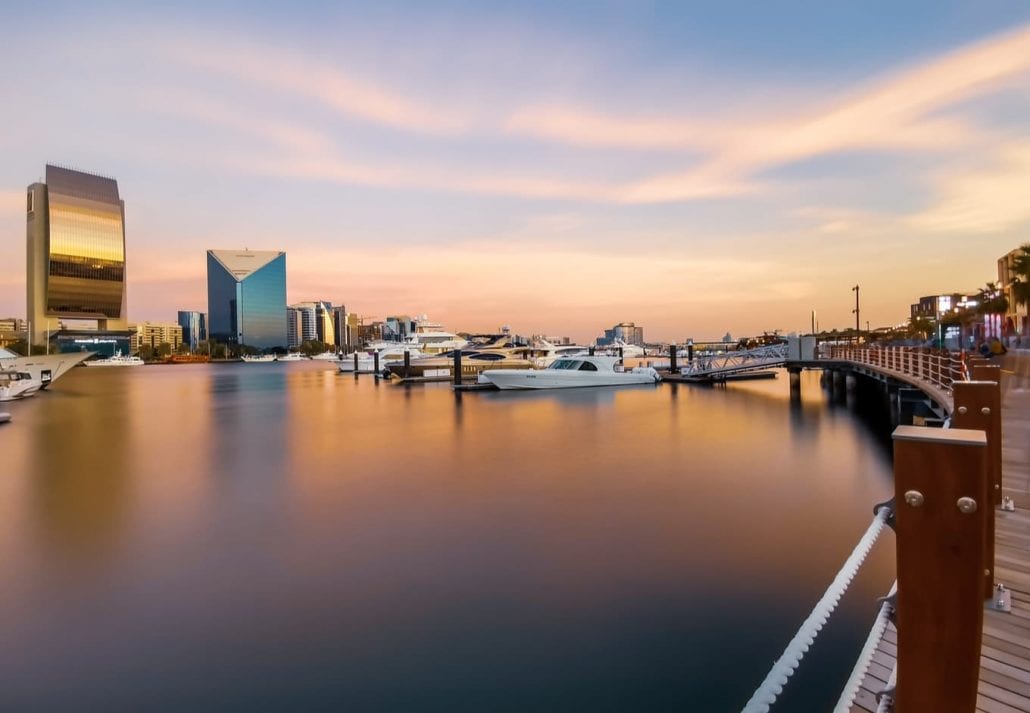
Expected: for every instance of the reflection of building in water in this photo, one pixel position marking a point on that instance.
(75, 257)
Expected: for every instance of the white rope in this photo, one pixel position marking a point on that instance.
(784, 668)
(865, 657)
(887, 702)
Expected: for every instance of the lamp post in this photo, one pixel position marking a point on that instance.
(857, 312)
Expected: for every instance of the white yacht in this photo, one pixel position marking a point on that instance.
(629, 351)
(389, 352)
(433, 339)
(257, 358)
(571, 373)
(45, 368)
(326, 356)
(17, 385)
(292, 356)
(116, 360)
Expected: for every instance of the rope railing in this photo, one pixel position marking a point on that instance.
(772, 686)
(865, 657)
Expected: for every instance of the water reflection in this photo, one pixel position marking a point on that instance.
(280, 536)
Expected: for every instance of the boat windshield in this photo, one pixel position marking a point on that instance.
(569, 364)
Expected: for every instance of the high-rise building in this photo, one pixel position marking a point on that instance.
(300, 324)
(75, 240)
(345, 328)
(194, 328)
(627, 332)
(246, 297)
(154, 334)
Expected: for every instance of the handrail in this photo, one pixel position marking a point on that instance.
(939, 369)
(865, 657)
(770, 688)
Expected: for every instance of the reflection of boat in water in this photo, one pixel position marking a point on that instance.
(257, 358)
(17, 385)
(45, 368)
(116, 360)
(571, 373)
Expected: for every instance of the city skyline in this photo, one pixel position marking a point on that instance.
(659, 164)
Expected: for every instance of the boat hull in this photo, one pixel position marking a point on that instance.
(513, 380)
(46, 368)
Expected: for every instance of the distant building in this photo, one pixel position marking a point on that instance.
(627, 332)
(194, 328)
(933, 307)
(300, 324)
(398, 328)
(345, 328)
(154, 334)
(75, 257)
(1017, 317)
(246, 297)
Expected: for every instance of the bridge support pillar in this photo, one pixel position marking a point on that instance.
(795, 381)
(850, 381)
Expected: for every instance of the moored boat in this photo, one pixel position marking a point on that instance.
(45, 368)
(292, 356)
(571, 373)
(116, 360)
(17, 385)
(257, 358)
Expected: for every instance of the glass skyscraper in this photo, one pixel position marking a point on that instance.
(194, 328)
(246, 297)
(75, 240)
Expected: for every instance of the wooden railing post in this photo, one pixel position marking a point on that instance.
(992, 372)
(940, 521)
(977, 407)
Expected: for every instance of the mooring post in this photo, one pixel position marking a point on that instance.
(690, 352)
(940, 530)
(620, 355)
(978, 408)
(590, 351)
(407, 363)
(457, 367)
(794, 373)
(672, 358)
(992, 372)
(355, 364)
(375, 362)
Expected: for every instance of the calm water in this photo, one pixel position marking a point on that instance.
(281, 537)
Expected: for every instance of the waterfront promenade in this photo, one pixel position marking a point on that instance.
(1005, 655)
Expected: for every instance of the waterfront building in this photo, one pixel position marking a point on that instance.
(933, 307)
(1017, 317)
(105, 342)
(300, 324)
(246, 297)
(398, 328)
(75, 251)
(154, 334)
(194, 328)
(627, 332)
(345, 328)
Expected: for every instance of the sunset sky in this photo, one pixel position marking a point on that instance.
(696, 168)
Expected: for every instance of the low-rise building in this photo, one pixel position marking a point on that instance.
(154, 334)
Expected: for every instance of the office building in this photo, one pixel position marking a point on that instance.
(154, 334)
(345, 328)
(75, 251)
(300, 324)
(194, 328)
(626, 332)
(246, 297)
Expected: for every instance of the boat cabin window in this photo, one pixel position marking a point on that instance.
(569, 364)
(486, 356)
(587, 366)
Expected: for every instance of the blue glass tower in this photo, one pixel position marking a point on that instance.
(246, 297)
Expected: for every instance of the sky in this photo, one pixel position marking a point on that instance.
(558, 167)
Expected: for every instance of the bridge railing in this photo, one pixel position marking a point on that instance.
(935, 367)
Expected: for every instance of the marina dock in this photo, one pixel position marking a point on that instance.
(1005, 655)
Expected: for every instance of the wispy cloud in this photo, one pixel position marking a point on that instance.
(334, 87)
(987, 199)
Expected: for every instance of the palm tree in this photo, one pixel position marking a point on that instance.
(1021, 276)
(992, 300)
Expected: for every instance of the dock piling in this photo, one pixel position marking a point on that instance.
(457, 367)
(375, 363)
(407, 363)
(672, 358)
(940, 526)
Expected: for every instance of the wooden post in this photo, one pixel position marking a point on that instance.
(457, 367)
(978, 408)
(992, 372)
(938, 484)
(672, 358)
(407, 363)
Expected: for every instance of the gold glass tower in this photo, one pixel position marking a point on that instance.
(75, 231)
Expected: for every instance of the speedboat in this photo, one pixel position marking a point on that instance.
(571, 373)
(292, 356)
(45, 368)
(257, 358)
(116, 360)
(17, 385)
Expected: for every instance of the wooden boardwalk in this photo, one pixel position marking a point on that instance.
(1005, 657)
